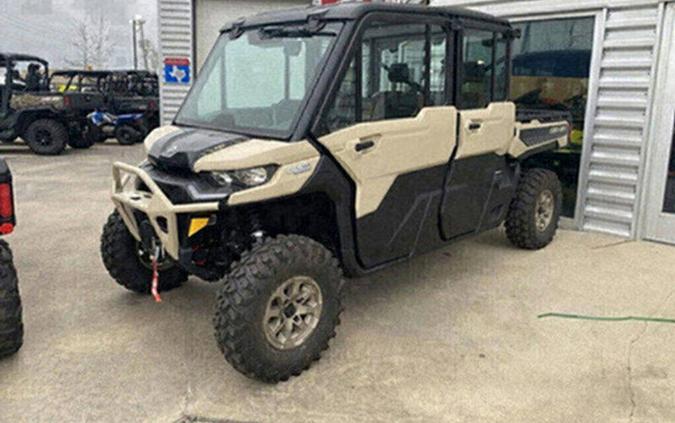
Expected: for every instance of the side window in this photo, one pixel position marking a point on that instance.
(398, 69)
(501, 69)
(342, 112)
(477, 69)
(394, 79)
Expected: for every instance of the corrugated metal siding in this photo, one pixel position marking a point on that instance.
(619, 101)
(175, 40)
(610, 197)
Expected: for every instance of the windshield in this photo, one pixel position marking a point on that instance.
(257, 82)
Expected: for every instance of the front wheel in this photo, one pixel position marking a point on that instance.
(80, 140)
(129, 265)
(279, 307)
(128, 135)
(11, 325)
(46, 137)
(534, 213)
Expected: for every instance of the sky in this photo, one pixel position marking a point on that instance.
(45, 27)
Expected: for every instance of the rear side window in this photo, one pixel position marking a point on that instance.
(484, 70)
(477, 68)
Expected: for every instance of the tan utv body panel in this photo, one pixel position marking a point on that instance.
(400, 146)
(158, 134)
(494, 135)
(499, 132)
(296, 160)
(254, 153)
(518, 147)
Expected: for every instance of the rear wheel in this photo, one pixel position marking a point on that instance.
(46, 137)
(11, 326)
(533, 217)
(129, 265)
(279, 307)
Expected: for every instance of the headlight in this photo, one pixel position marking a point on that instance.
(247, 177)
(252, 177)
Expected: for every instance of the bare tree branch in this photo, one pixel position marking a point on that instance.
(91, 41)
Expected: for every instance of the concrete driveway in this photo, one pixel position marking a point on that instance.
(451, 336)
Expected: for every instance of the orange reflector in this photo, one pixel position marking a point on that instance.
(197, 224)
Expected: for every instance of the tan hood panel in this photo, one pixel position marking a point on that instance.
(254, 153)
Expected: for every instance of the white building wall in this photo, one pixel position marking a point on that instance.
(175, 40)
(619, 102)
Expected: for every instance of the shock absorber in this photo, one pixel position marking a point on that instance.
(257, 232)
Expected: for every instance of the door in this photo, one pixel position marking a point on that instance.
(391, 129)
(661, 196)
(480, 183)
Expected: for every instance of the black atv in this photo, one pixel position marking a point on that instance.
(47, 120)
(11, 326)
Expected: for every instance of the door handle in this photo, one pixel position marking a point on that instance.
(474, 126)
(364, 145)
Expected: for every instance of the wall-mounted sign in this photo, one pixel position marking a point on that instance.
(177, 70)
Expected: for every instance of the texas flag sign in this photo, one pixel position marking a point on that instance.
(177, 70)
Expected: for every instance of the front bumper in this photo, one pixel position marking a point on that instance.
(153, 204)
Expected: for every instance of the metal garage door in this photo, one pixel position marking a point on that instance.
(211, 15)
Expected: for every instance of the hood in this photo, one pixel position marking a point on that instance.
(181, 148)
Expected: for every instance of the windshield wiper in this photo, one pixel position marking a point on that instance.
(291, 31)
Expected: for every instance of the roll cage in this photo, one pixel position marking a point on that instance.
(8, 82)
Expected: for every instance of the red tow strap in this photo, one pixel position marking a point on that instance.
(155, 280)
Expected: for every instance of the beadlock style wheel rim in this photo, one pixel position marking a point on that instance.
(293, 312)
(544, 209)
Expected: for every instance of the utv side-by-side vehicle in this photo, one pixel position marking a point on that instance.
(47, 120)
(11, 326)
(125, 94)
(324, 140)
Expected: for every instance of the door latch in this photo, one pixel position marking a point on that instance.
(364, 145)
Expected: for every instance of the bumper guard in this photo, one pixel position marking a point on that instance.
(153, 203)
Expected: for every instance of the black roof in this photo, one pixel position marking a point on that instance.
(5, 57)
(95, 73)
(74, 72)
(354, 11)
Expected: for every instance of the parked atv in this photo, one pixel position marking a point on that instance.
(128, 129)
(276, 179)
(47, 120)
(11, 326)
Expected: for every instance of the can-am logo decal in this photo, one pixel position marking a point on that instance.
(300, 168)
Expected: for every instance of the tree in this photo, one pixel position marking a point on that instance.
(91, 41)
